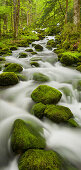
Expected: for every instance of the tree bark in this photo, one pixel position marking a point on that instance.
(77, 12)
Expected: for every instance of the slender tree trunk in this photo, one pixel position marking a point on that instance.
(27, 18)
(77, 12)
(5, 24)
(0, 26)
(66, 11)
(16, 16)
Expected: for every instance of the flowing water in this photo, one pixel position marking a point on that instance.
(16, 102)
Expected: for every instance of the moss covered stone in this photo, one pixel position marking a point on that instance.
(13, 48)
(2, 59)
(49, 47)
(35, 159)
(34, 63)
(29, 50)
(52, 43)
(13, 67)
(40, 77)
(22, 55)
(38, 110)
(79, 68)
(21, 77)
(35, 59)
(5, 51)
(8, 79)
(73, 123)
(46, 94)
(58, 113)
(26, 136)
(38, 47)
(33, 53)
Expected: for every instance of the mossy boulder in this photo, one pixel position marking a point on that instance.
(35, 159)
(38, 47)
(29, 50)
(34, 63)
(13, 48)
(21, 77)
(49, 47)
(5, 51)
(35, 59)
(46, 94)
(26, 136)
(2, 59)
(8, 79)
(40, 77)
(38, 110)
(52, 43)
(33, 53)
(13, 67)
(58, 113)
(22, 55)
(78, 68)
(73, 123)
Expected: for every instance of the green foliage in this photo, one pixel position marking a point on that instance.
(26, 136)
(7, 79)
(46, 94)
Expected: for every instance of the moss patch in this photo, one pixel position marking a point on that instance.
(38, 110)
(40, 160)
(8, 79)
(25, 136)
(40, 77)
(29, 50)
(21, 77)
(72, 123)
(2, 59)
(34, 63)
(52, 43)
(23, 55)
(38, 47)
(13, 67)
(12, 48)
(79, 68)
(46, 94)
(58, 113)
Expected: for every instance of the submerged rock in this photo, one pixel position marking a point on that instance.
(33, 53)
(35, 159)
(13, 67)
(22, 55)
(73, 123)
(38, 47)
(29, 50)
(21, 77)
(58, 113)
(26, 136)
(8, 79)
(35, 59)
(40, 77)
(34, 63)
(46, 95)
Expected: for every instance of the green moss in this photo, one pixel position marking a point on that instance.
(46, 94)
(35, 59)
(79, 85)
(5, 51)
(58, 113)
(33, 53)
(52, 43)
(22, 55)
(73, 123)
(8, 79)
(2, 59)
(34, 63)
(25, 136)
(79, 68)
(13, 67)
(12, 48)
(38, 47)
(29, 50)
(49, 47)
(21, 77)
(38, 110)
(35, 159)
(40, 77)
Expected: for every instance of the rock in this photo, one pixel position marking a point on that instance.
(69, 59)
(35, 59)
(40, 77)
(58, 113)
(13, 48)
(46, 94)
(21, 77)
(38, 47)
(13, 67)
(22, 55)
(33, 53)
(26, 135)
(52, 43)
(5, 51)
(2, 59)
(8, 79)
(33, 45)
(79, 85)
(73, 123)
(34, 63)
(38, 110)
(49, 47)
(79, 68)
(35, 159)
(29, 50)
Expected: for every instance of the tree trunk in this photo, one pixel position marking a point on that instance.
(0, 27)
(66, 11)
(77, 12)
(16, 16)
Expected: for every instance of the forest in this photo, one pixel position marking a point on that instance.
(40, 85)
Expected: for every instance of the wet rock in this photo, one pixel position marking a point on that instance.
(13, 67)
(13, 48)
(68, 59)
(38, 47)
(21, 77)
(73, 123)
(51, 43)
(35, 159)
(33, 53)
(79, 85)
(40, 77)
(35, 59)
(34, 63)
(8, 79)
(38, 110)
(29, 50)
(2, 59)
(49, 47)
(26, 135)
(46, 95)
(23, 55)
(79, 68)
